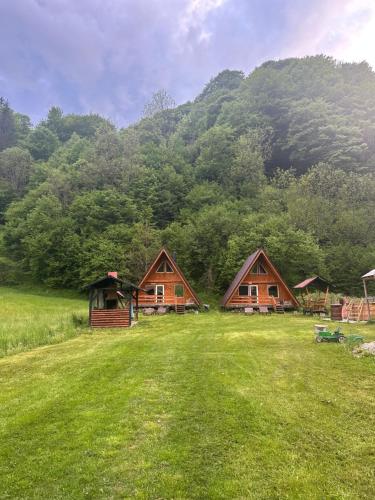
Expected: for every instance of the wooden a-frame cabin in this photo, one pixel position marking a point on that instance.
(166, 286)
(259, 284)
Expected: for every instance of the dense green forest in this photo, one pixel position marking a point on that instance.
(282, 158)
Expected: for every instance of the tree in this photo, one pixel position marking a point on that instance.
(160, 101)
(94, 211)
(105, 251)
(23, 127)
(209, 232)
(319, 133)
(7, 125)
(42, 142)
(246, 176)
(225, 81)
(215, 154)
(55, 122)
(43, 240)
(15, 169)
(143, 246)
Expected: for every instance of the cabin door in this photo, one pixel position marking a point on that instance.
(253, 292)
(159, 294)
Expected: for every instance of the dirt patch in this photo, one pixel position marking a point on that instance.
(368, 348)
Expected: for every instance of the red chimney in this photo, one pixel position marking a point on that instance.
(112, 274)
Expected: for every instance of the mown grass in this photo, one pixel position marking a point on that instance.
(196, 406)
(37, 317)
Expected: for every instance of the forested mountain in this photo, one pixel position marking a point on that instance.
(283, 158)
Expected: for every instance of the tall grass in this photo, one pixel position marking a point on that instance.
(33, 318)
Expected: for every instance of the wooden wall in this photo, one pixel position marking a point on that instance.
(110, 318)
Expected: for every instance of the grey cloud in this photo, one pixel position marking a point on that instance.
(109, 56)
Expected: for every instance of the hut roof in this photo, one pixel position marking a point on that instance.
(111, 280)
(369, 275)
(239, 276)
(315, 282)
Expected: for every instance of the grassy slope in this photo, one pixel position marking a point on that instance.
(37, 317)
(208, 406)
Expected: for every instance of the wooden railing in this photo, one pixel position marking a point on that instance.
(357, 310)
(260, 301)
(161, 299)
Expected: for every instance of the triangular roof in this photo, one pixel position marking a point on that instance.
(247, 265)
(175, 267)
(369, 275)
(315, 281)
(110, 280)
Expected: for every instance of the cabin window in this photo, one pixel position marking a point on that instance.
(258, 268)
(179, 290)
(246, 290)
(273, 291)
(160, 290)
(164, 267)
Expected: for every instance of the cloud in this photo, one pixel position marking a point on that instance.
(344, 29)
(193, 17)
(110, 56)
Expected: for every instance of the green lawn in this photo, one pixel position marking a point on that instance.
(196, 406)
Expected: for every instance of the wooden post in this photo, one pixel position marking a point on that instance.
(136, 304)
(366, 298)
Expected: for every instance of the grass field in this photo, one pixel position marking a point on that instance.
(37, 317)
(196, 406)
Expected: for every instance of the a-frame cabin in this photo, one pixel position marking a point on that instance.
(258, 284)
(166, 286)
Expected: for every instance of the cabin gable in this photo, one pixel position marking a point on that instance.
(166, 284)
(258, 283)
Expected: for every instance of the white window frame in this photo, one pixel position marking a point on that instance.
(249, 294)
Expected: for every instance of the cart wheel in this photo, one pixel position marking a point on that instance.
(318, 339)
(342, 340)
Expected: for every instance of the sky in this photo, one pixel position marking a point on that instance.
(110, 56)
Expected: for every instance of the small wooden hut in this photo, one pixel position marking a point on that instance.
(113, 302)
(314, 295)
(164, 286)
(258, 285)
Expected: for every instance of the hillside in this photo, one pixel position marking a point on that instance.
(282, 158)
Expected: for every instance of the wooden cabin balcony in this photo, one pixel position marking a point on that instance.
(241, 301)
(167, 300)
(250, 301)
